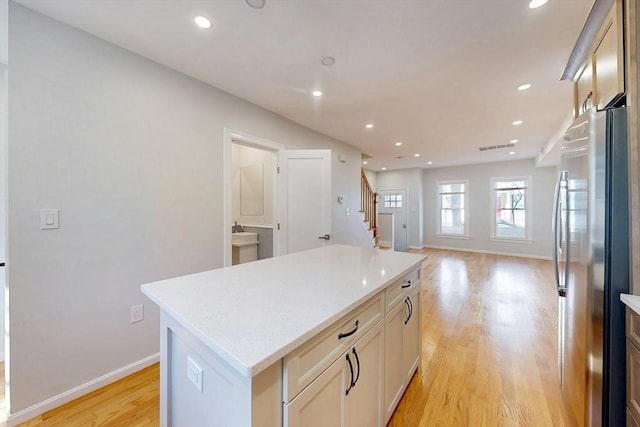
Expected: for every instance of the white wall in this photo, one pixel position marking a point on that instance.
(242, 156)
(372, 177)
(412, 181)
(131, 153)
(480, 210)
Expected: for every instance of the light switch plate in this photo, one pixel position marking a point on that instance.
(49, 219)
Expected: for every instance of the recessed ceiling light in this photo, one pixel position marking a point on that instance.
(536, 3)
(369, 125)
(365, 162)
(511, 153)
(524, 86)
(429, 163)
(316, 93)
(202, 22)
(256, 4)
(513, 141)
(416, 155)
(517, 122)
(398, 144)
(384, 169)
(328, 60)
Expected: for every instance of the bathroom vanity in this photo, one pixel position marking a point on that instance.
(326, 337)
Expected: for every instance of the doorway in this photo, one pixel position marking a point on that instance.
(395, 202)
(250, 198)
(301, 199)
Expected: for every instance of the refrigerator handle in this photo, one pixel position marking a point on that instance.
(555, 223)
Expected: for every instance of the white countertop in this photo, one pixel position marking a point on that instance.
(253, 314)
(632, 301)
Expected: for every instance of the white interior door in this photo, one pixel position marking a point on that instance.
(305, 206)
(395, 202)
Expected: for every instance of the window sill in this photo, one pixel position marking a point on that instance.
(453, 236)
(512, 240)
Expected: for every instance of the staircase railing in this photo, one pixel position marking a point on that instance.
(369, 204)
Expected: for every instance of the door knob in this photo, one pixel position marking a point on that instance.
(325, 237)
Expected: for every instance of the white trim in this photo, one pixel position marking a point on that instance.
(230, 135)
(548, 258)
(528, 210)
(453, 236)
(81, 390)
(511, 240)
(418, 248)
(466, 207)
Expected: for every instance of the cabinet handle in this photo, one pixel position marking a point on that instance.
(351, 370)
(348, 334)
(410, 308)
(358, 365)
(408, 284)
(406, 302)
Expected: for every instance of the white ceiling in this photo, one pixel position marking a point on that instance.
(438, 75)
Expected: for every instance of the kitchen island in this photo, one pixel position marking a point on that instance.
(324, 337)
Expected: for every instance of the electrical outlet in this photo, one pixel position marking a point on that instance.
(137, 313)
(194, 373)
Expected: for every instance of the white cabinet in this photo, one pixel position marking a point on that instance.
(323, 402)
(412, 337)
(319, 361)
(348, 393)
(305, 363)
(402, 348)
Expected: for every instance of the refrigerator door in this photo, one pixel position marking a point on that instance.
(575, 161)
(609, 270)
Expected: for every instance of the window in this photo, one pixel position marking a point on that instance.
(392, 200)
(452, 203)
(510, 201)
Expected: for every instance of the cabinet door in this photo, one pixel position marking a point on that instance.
(412, 338)
(608, 59)
(393, 371)
(323, 402)
(364, 401)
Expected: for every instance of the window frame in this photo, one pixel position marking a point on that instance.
(397, 198)
(528, 215)
(439, 231)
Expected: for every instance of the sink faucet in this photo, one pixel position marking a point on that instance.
(236, 228)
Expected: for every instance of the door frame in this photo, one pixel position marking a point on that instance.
(229, 137)
(406, 213)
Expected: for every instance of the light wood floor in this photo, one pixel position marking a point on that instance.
(488, 354)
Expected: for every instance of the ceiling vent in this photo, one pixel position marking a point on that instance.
(496, 147)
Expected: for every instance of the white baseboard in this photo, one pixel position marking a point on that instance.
(69, 395)
(418, 248)
(548, 258)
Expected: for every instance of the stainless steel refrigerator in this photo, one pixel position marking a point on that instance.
(591, 259)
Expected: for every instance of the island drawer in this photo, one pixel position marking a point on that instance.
(308, 361)
(401, 287)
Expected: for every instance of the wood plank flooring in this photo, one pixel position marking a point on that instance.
(489, 344)
(489, 354)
